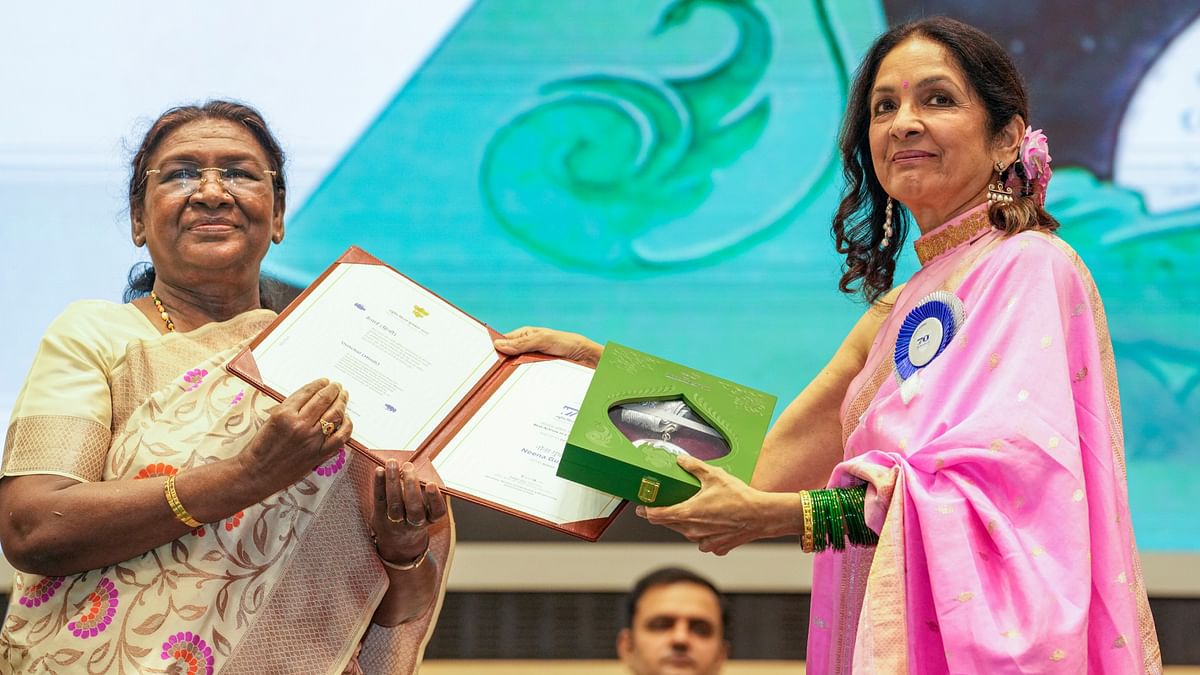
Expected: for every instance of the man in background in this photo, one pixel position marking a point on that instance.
(675, 624)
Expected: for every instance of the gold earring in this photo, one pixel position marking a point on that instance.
(998, 193)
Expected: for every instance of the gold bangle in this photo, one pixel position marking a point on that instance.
(406, 566)
(806, 505)
(181, 513)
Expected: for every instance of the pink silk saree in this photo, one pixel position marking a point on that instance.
(285, 586)
(998, 489)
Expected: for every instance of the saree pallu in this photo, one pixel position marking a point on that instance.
(998, 489)
(288, 585)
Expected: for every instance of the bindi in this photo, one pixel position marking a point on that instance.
(904, 84)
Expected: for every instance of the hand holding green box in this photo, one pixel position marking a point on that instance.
(602, 456)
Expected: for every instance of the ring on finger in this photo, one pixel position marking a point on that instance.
(395, 520)
(327, 427)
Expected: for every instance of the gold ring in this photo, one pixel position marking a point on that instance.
(393, 520)
(328, 427)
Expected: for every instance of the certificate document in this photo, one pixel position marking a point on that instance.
(424, 377)
(510, 449)
(406, 356)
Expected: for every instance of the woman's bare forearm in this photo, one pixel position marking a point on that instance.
(805, 444)
(55, 526)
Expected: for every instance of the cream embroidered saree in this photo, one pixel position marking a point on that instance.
(285, 586)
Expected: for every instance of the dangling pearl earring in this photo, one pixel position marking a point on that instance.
(887, 225)
(997, 192)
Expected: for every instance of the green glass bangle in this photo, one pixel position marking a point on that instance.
(833, 529)
(852, 508)
(856, 525)
(820, 522)
(831, 525)
(838, 519)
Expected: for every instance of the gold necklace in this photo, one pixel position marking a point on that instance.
(162, 312)
(951, 236)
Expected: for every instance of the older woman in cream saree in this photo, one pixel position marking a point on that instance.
(287, 585)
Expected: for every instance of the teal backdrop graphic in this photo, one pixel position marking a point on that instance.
(595, 176)
(628, 170)
(660, 173)
(663, 174)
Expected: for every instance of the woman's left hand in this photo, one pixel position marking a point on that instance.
(726, 513)
(571, 346)
(403, 512)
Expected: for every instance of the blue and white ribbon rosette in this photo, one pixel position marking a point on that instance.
(924, 335)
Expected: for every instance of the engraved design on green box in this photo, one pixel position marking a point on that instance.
(602, 434)
(709, 412)
(659, 392)
(581, 176)
(750, 401)
(689, 377)
(633, 362)
(656, 457)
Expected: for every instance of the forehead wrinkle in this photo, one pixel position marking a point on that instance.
(199, 151)
(185, 155)
(219, 138)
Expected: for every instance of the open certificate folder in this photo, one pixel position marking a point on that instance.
(426, 385)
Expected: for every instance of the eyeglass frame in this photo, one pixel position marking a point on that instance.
(220, 170)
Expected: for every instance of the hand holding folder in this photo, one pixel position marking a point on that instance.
(426, 385)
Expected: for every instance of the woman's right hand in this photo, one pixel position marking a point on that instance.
(726, 512)
(571, 346)
(294, 440)
(56, 525)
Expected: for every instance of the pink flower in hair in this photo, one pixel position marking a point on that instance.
(1035, 156)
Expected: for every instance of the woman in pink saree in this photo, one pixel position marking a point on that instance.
(974, 514)
(164, 516)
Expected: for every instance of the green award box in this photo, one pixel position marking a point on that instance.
(640, 411)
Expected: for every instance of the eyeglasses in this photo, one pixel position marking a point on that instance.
(182, 180)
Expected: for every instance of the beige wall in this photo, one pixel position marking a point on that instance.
(756, 568)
